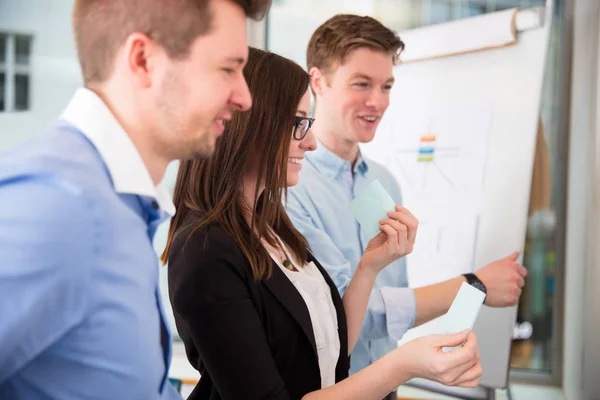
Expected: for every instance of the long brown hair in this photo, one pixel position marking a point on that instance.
(209, 191)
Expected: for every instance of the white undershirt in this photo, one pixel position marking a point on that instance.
(311, 285)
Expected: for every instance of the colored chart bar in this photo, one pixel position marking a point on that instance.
(426, 149)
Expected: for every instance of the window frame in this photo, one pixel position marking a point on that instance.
(11, 69)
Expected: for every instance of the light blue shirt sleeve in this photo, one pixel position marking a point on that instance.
(400, 302)
(390, 311)
(45, 243)
(401, 306)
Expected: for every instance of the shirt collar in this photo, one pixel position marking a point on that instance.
(88, 113)
(331, 164)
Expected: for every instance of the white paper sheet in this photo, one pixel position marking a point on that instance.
(444, 248)
(438, 157)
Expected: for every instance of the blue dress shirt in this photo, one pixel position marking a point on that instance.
(319, 207)
(80, 315)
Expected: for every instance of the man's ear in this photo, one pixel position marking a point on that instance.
(142, 57)
(317, 80)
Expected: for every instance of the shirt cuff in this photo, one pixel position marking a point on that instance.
(401, 309)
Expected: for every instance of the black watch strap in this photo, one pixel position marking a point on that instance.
(474, 281)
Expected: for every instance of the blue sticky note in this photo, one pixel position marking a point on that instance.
(371, 206)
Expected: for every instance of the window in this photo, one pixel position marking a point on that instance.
(21, 92)
(2, 85)
(15, 71)
(537, 334)
(440, 11)
(22, 49)
(3, 40)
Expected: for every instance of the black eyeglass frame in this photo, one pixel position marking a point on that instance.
(297, 121)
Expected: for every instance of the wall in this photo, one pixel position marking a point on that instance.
(579, 380)
(54, 69)
(591, 317)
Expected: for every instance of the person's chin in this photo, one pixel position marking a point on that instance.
(292, 180)
(364, 137)
(204, 149)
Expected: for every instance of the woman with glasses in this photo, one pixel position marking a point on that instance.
(259, 316)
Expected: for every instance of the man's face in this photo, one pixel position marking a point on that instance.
(197, 95)
(354, 96)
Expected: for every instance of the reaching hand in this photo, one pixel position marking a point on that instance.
(396, 239)
(459, 367)
(504, 280)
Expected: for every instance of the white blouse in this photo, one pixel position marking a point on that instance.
(313, 288)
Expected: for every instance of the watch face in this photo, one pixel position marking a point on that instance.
(478, 285)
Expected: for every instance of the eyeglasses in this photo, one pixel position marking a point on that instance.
(302, 126)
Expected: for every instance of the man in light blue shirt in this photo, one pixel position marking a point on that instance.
(350, 60)
(80, 312)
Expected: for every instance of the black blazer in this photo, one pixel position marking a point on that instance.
(248, 339)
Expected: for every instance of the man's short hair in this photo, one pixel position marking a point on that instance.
(331, 43)
(101, 26)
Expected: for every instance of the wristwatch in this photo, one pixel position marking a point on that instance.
(474, 281)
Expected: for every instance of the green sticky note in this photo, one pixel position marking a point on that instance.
(463, 311)
(371, 206)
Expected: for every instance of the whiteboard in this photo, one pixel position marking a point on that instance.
(471, 116)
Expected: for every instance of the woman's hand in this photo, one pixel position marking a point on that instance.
(458, 367)
(396, 239)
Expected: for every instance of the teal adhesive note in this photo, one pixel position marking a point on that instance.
(371, 206)
(463, 311)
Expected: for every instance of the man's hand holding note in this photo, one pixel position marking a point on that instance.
(371, 206)
(393, 228)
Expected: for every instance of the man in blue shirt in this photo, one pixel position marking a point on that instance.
(80, 313)
(350, 60)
